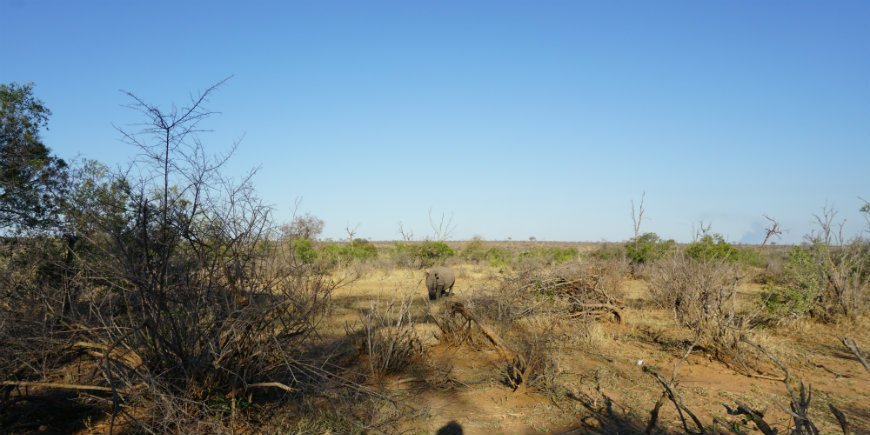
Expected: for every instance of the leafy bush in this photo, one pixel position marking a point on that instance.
(822, 280)
(712, 247)
(335, 254)
(304, 250)
(422, 254)
(647, 248)
(476, 252)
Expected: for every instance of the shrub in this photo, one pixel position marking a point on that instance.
(701, 295)
(648, 248)
(802, 283)
(173, 281)
(549, 256)
(422, 254)
(388, 337)
(712, 247)
(342, 254)
(304, 250)
(610, 252)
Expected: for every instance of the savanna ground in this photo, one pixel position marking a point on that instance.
(598, 359)
(522, 354)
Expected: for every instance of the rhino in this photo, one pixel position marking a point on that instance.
(439, 282)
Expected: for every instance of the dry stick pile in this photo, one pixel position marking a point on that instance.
(586, 295)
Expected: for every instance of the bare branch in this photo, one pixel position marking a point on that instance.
(637, 218)
(773, 230)
(442, 229)
(853, 347)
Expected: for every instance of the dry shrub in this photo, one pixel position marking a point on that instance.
(702, 295)
(173, 289)
(537, 341)
(388, 337)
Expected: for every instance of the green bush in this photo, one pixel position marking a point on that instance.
(423, 254)
(647, 248)
(498, 257)
(802, 283)
(787, 301)
(476, 252)
(712, 247)
(362, 249)
(304, 250)
(334, 254)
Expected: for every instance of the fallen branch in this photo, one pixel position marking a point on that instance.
(836, 374)
(130, 358)
(278, 385)
(757, 417)
(852, 346)
(654, 414)
(678, 402)
(516, 364)
(58, 386)
(841, 418)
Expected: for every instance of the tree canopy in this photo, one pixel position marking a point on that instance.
(31, 179)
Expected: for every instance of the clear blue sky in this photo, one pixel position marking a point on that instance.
(536, 118)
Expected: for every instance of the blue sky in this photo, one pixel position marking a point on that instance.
(519, 119)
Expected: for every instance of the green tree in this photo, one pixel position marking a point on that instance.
(31, 179)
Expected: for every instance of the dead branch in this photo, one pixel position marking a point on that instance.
(654, 414)
(516, 364)
(757, 417)
(130, 358)
(800, 401)
(853, 347)
(278, 385)
(678, 402)
(841, 418)
(60, 386)
(772, 231)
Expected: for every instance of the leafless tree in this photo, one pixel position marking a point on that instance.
(637, 218)
(407, 234)
(351, 232)
(701, 230)
(443, 229)
(773, 230)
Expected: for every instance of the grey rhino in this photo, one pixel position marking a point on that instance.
(439, 282)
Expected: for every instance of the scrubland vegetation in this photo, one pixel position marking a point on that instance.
(165, 298)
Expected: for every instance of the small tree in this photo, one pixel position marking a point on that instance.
(307, 227)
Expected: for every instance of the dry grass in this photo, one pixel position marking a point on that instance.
(390, 361)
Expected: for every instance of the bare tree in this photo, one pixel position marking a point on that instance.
(443, 229)
(637, 218)
(702, 230)
(407, 235)
(773, 230)
(351, 232)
